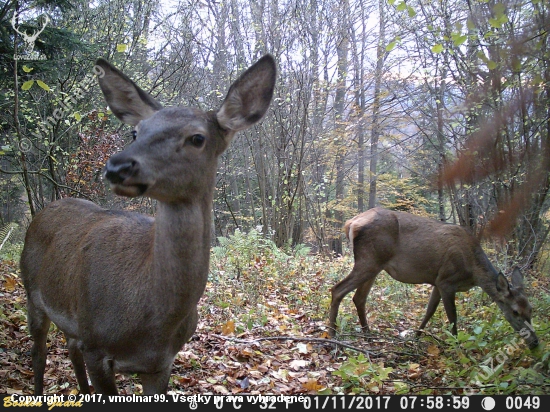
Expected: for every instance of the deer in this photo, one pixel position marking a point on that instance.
(124, 287)
(419, 250)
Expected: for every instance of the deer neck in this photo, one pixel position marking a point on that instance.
(182, 247)
(487, 276)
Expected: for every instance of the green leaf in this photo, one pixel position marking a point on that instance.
(27, 69)
(498, 22)
(503, 19)
(491, 65)
(499, 9)
(438, 48)
(43, 85)
(464, 360)
(121, 48)
(77, 116)
(470, 24)
(391, 46)
(458, 39)
(411, 11)
(401, 6)
(27, 85)
(482, 56)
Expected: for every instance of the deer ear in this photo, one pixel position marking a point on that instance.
(127, 101)
(502, 283)
(517, 279)
(249, 96)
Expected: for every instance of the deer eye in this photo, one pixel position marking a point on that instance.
(516, 313)
(197, 140)
(133, 133)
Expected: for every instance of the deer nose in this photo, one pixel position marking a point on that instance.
(117, 172)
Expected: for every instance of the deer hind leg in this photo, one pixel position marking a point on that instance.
(360, 301)
(38, 324)
(360, 274)
(75, 354)
(450, 309)
(435, 298)
(101, 372)
(154, 383)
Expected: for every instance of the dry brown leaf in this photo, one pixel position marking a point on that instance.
(414, 366)
(10, 284)
(247, 352)
(228, 328)
(433, 350)
(312, 385)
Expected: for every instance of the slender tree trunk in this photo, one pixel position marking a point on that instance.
(21, 143)
(375, 133)
(342, 48)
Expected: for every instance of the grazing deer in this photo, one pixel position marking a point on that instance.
(414, 249)
(124, 287)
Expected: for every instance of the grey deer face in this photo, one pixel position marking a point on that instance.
(174, 155)
(516, 308)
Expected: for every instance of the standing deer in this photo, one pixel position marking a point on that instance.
(124, 287)
(414, 249)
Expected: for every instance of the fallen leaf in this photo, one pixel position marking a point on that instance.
(228, 328)
(9, 284)
(244, 383)
(221, 389)
(298, 363)
(303, 348)
(433, 350)
(312, 385)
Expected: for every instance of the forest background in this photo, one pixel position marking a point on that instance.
(439, 108)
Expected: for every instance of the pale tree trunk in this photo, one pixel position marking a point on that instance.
(342, 48)
(375, 132)
(359, 49)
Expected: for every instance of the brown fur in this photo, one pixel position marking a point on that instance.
(124, 287)
(414, 249)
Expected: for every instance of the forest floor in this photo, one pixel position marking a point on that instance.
(261, 334)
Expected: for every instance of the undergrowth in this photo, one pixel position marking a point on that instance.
(257, 290)
(254, 283)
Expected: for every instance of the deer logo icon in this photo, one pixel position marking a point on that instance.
(29, 39)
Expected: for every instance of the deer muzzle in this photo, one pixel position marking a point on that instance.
(122, 175)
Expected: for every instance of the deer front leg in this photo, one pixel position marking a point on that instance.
(101, 372)
(450, 308)
(433, 303)
(154, 383)
(75, 354)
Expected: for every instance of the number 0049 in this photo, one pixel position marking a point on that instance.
(517, 402)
